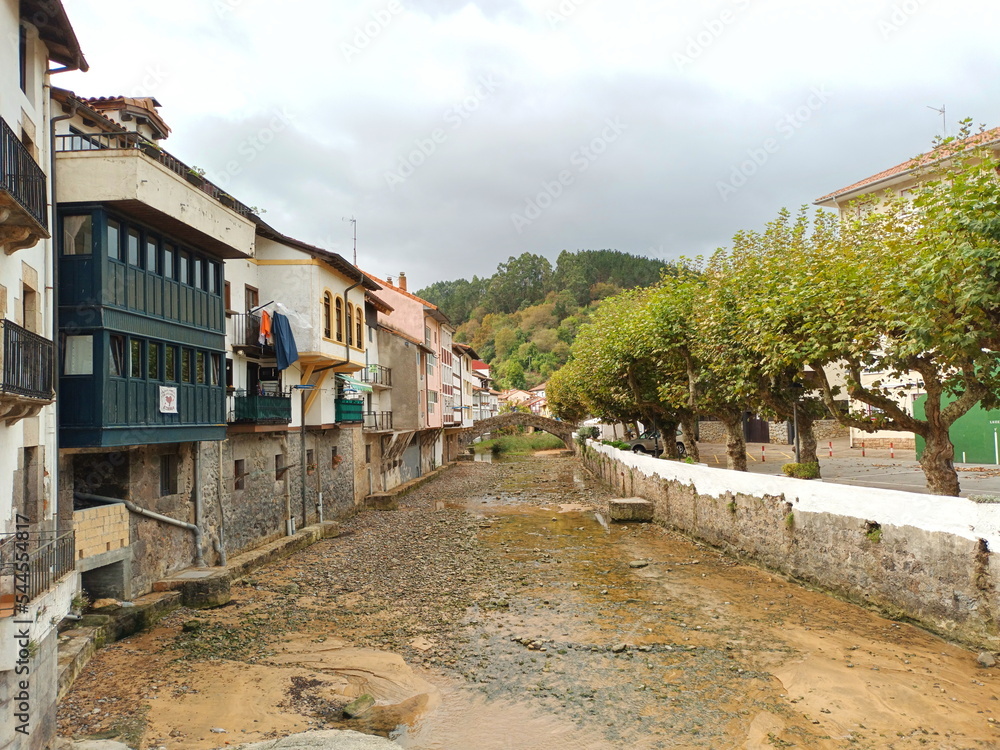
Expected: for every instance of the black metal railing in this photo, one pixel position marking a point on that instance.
(268, 408)
(20, 175)
(30, 562)
(27, 362)
(136, 141)
(378, 421)
(377, 375)
(246, 333)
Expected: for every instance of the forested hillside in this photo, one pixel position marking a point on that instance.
(522, 319)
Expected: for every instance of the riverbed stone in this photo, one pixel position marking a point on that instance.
(624, 509)
(329, 739)
(986, 659)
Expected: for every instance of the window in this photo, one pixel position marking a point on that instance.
(185, 365)
(135, 357)
(279, 466)
(198, 277)
(239, 474)
(168, 474)
(116, 358)
(430, 365)
(340, 319)
(350, 326)
(152, 256)
(368, 453)
(114, 240)
(359, 321)
(213, 277)
(251, 296)
(310, 461)
(227, 297)
(432, 398)
(78, 238)
(22, 57)
(78, 355)
(170, 364)
(214, 372)
(169, 252)
(334, 458)
(327, 314)
(184, 267)
(201, 371)
(132, 246)
(153, 360)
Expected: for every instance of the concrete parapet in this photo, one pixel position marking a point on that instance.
(630, 509)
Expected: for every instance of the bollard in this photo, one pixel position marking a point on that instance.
(830, 445)
(862, 449)
(762, 454)
(892, 452)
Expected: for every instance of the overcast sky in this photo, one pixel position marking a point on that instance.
(460, 133)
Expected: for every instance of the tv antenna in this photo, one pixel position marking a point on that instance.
(355, 223)
(944, 119)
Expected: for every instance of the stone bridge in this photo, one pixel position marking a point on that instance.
(562, 430)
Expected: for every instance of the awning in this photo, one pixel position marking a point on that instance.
(354, 382)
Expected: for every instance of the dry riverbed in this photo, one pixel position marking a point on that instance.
(495, 610)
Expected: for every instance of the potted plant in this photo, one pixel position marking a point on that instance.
(196, 176)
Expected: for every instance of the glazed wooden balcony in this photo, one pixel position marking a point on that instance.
(23, 203)
(268, 408)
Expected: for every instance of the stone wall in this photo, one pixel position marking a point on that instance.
(711, 432)
(921, 557)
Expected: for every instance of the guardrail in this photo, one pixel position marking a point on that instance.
(27, 362)
(30, 563)
(20, 175)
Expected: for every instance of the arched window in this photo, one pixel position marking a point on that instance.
(350, 324)
(359, 323)
(340, 319)
(327, 314)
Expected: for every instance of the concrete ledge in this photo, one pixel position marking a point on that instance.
(630, 509)
(381, 501)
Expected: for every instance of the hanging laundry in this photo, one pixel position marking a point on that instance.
(284, 342)
(265, 328)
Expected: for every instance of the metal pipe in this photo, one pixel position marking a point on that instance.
(199, 520)
(221, 542)
(199, 559)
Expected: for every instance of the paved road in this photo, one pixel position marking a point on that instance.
(877, 468)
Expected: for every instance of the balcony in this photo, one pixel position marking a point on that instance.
(26, 372)
(23, 203)
(377, 376)
(270, 408)
(378, 421)
(245, 336)
(349, 410)
(30, 563)
(135, 175)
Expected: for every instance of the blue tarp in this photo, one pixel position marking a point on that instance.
(284, 341)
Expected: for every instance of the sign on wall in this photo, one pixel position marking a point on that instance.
(168, 399)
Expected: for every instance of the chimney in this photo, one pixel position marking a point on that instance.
(388, 280)
(402, 281)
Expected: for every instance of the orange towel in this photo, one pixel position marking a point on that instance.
(265, 327)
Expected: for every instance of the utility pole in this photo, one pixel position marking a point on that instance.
(355, 223)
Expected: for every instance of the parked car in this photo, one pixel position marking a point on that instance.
(649, 442)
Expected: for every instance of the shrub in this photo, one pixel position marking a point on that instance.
(520, 444)
(801, 471)
(620, 444)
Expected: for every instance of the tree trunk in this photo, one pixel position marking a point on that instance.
(736, 445)
(668, 432)
(689, 427)
(937, 462)
(807, 439)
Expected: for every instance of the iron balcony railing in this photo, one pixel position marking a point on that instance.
(268, 408)
(30, 563)
(378, 421)
(20, 175)
(27, 362)
(377, 375)
(136, 141)
(349, 410)
(246, 334)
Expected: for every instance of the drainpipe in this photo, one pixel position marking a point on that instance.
(221, 543)
(199, 559)
(196, 488)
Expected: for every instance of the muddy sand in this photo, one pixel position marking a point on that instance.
(497, 610)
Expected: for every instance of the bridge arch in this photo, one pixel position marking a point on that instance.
(562, 430)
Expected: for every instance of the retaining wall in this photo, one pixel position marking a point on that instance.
(924, 558)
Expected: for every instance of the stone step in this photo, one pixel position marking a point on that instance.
(630, 509)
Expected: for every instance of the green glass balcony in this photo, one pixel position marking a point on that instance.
(261, 409)
(350, 410)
